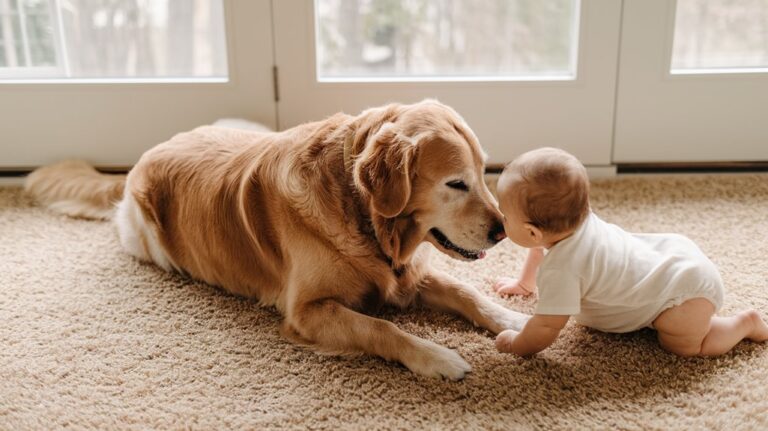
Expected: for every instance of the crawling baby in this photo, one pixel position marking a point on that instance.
(605, 277)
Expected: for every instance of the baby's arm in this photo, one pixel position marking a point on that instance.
(526, 284)
(538, 334)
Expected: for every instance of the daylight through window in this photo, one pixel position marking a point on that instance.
(112, 39)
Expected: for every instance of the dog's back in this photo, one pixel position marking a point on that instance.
(213, 203)
(202, 194)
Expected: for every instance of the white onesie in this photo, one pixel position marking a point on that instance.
(616, 281)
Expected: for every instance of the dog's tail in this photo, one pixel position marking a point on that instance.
(76, 189)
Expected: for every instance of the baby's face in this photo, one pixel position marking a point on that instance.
(515, 222)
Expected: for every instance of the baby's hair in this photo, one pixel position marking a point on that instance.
(551, 188)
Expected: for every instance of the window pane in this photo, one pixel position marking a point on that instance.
(42, 54)
(20, 56)
(40, 36)
(119, 39)
(35, 6)
(720, 34)
(446, 38)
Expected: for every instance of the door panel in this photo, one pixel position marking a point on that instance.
(688, 116)
(510, 116)
(112, 122)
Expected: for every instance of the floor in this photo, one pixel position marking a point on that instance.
(91, 338)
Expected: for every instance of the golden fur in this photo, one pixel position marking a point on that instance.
(76, 189)
(325, 221)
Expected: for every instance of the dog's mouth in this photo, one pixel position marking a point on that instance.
(448, 245)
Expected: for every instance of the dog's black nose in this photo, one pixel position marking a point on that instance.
(497, 233)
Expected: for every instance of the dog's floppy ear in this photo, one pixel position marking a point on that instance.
(384, 168)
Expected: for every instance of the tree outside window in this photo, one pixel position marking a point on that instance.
(112, 39)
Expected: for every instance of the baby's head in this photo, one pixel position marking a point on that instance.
(544, 196)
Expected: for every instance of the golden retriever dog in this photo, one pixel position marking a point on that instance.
(324, 221)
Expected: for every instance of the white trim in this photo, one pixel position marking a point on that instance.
(61, 43)
(719, 70)
(12, 181)
(117, 81)
(32, 72)
(24, 36)
(575, 40)
(448, 79)
(593, 172)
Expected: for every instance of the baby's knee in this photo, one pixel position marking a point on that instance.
(684, 351)
(691, 319)
(681, 346)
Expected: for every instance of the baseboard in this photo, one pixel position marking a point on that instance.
(17, 171)
(11, 181)
(607, 171)
(691, 167)
(7, 175)
(14, 172)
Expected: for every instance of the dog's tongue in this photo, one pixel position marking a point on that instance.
(481, 254)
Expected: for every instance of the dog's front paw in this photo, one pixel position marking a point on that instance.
(432, 360)
(508, 319)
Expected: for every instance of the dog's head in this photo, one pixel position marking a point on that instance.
(422, 168)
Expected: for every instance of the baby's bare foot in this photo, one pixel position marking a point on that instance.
(759, 327)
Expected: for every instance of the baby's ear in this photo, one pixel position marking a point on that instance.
(535, 233)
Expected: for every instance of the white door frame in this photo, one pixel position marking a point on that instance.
(509, 117)
(647, 115)
(665, 117)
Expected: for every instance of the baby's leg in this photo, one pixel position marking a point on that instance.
(690, 329)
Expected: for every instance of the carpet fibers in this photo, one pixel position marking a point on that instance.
(91, 338)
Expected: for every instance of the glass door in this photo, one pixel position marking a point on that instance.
(523, 73)
(697, 91)
(105, 80)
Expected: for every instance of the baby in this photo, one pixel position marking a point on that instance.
(608, 279)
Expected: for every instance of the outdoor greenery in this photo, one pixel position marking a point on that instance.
(446, 37)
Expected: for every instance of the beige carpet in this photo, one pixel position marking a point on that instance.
(90, 338)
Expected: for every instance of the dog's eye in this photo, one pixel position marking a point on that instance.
(458, 185)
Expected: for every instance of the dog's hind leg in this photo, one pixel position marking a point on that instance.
(138, 236)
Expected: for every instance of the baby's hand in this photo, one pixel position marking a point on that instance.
(512, 286)
(504, 340)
